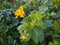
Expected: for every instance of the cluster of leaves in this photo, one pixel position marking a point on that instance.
(4, 4)
(33, 27)
(8, 25)
(42, 26)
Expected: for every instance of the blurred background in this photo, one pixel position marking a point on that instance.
(40, 25)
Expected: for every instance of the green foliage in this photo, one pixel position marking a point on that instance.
(8, 25)
(42, 20)
(32, 26)
(54, 43)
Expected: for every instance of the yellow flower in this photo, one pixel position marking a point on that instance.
(23, 37)
(20, 12)
(21, 7)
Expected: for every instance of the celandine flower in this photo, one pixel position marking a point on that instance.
(23, 37)
(20, 12)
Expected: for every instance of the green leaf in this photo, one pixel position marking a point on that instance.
(35, 36)
(48, 22)
(38, 35)
(30, 32)
(55, 42)
(56, 25)
(33, 1)
(50, 43)
(43, 9)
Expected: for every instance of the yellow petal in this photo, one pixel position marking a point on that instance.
(23, 37)
(20, 12)
(21, 7)
(16, 17)
(22, 16)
